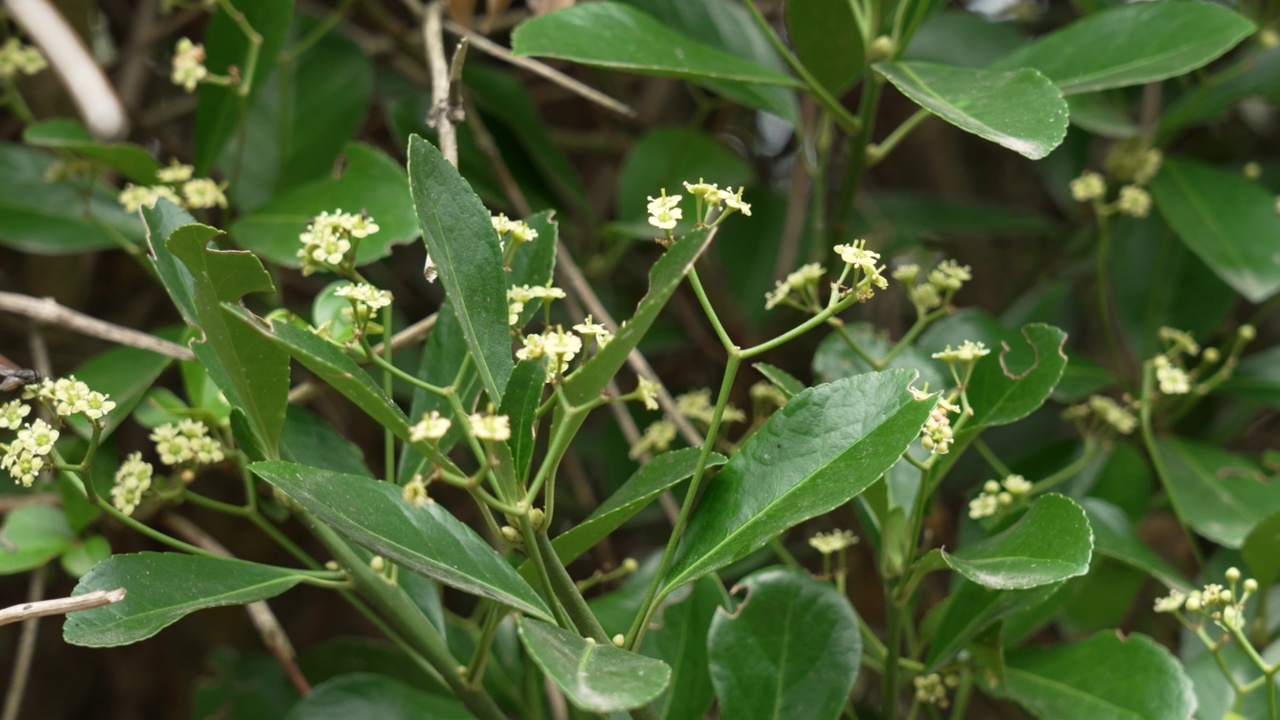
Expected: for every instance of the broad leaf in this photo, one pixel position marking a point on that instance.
(827, 41)
(1019, 110)
(520, 404)
(252, 371)
(971, 609)
(162, 588)
(310, 440)
(131, 161)
(1220, 495)
(791, 650)
(1050, 543)
(461, 240)
(427, 540)
(370, 695)
(819, 451)
(1229, 221)
(680, 640)
(371, 181)
(1257, 378)
(1259, 550)
(595, 678)
(1132, 44)
(1105, 677)
(32, 536)
(785, 382)
(617, 36)
(1114, 537)
(56, 218)
(1252, 73)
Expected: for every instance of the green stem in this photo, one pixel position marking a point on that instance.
(563, 618)
(1157, 462)
(878, 151)
(566, 590)
(853, 344)
(388, 437)
(710, 311)
(987, 454)
(475, 669)
(406, 617)
(893, 649)
(215, 505)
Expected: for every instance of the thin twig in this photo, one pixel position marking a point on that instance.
(48, 311)
(60, 606)
(442, 115)
(260, 614)
(416, 332)
(26, 642)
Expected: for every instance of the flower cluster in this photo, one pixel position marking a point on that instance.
(1171, 373)
(864, 264)
(1133, 165)
(486, 426)
(19, 59)
(187, 443)
(968, 352)
(520, 295)
(663, 211)
(188, 64)
(590, 329)
(24, 457)
(68, 396)
(175, 184)
(516, 231)
(366, 300)
(931, 689)
(938, 287)
(710, 198)
(655, 439)
(557, 345)
(132, 480)
(1225, 606)
(833, 542)
(696, 405)
(1110, 413)
(996, 495)
(803, 283)
(329, 241)
(936, 436)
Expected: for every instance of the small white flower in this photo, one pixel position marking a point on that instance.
(176, 172)
(734, 202)
(496, 428)
(431, 427)
(1088, 187)
(648, 390)
(12, 413)
(1171, 602)
(985, 505)
(366, 295)
(1172, 379)
(1134, 201)
(132, 480)
(415, 492)
(204, 193)
(188, 64)
(833, 542)
(663, 213)
(17, 58)
(1017, 485)
(950, 275)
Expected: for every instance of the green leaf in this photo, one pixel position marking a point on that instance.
(310, 440)
(1114, 537)
(1259, 550)
(617, 36)
(1050, 543)
(1019, 110)
(1257, 378)
(667, 157)
(520, 404)
(124, 373)
(372, 181)
(218, 114)
(680, 640)
(1253, 73)
(1220, 495)
(162, 588)
(1105, 114)
(1132, 44)
(959, 37)
(664, 277)
(781, 379)
(345, 654)
(727, 25)
(461, 240)
(834, 359)
(1229, 221)
(368, 695)
(251, 370)
(304, 115)
(1104, 677)
(972, 609)
(791, 650)
(913, 218)
(57, 218)
(427, 540)
(131, 161)
(32, 536)
(819, 451)
(595, 678)
(652, 479)
(827, 41)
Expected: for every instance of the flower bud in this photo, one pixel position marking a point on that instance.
(630, 565)
(619, 640)
(1251, 586)
(512, 535)
(882, 48)
(377, 563)
(537, 517)
(1233, 575)
(1247, 333)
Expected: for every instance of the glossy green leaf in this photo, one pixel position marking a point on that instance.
(652, 479)
(664, 277)
(124, 373)
(959, 37)
(1257, 378)
(819, 451)
(1114, 537)
(1259, 550)
(427, 540)
(1105, 114)
(1253, 73)
(1220, 495)
(1132, 44)
(971, 609)
(371, 181)
(727, 25)
(667, 157)
(680, 640)
(792, 649)
(309, 440)
(368, 695)
(520, 404)
(788, 384)
(251, 370)
(32, 536)
(1050, 543)
(617, 36)
(461, 240)
(345, 654)
(218, 114)
(1229, 221)
(595, 678)
(131, 161)
(1019, 110)
(56, 218)
(1104, 677)
(827, 40)
(162, 588)
(307, 111)
(835, 359)
(82, 556)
